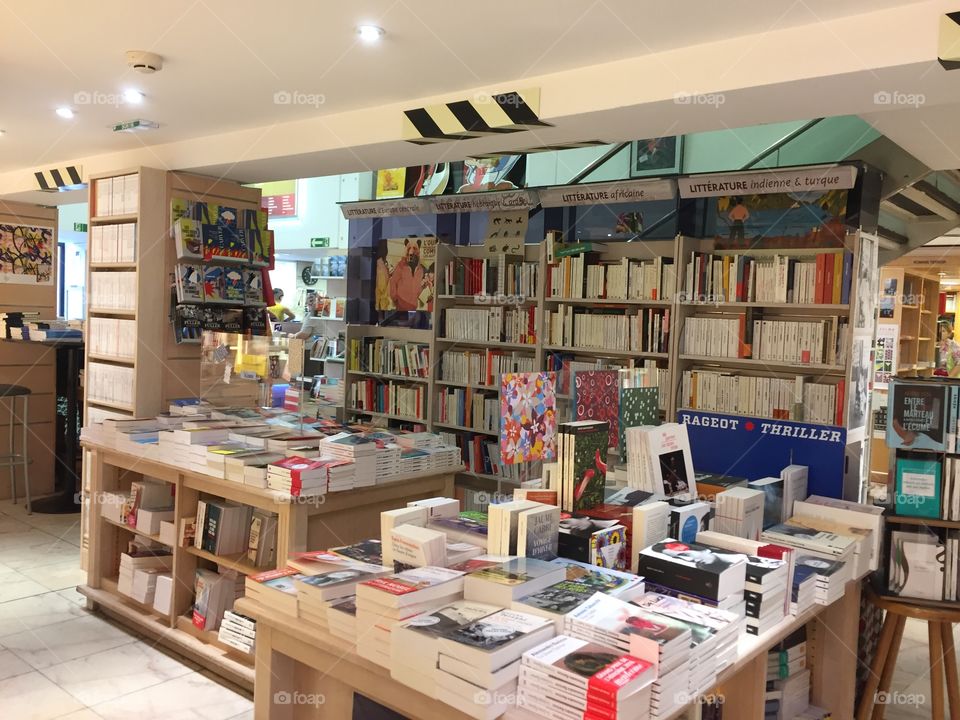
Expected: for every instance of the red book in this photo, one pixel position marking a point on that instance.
(827, 279)
(841, 398)
(818, 283)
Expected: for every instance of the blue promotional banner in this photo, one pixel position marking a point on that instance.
(759, 447)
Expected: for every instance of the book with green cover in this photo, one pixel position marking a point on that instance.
(588, 467)
(638, 406)
(918, 488)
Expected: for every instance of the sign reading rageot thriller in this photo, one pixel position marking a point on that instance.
(755, 448)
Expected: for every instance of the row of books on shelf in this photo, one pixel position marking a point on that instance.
(112, 337)
(113, 243)
(519, 618)
(633, 373)
(646, 331)
(267, 449)
(109, 383)
(924, 563)
(30, 326)
(816, 341)
(219, 285)
(113, 290)
(797, 398)
(788, 681)
(481, 455)
(389, 357)
(482, 367)
(585, 276)
(117, 195)
(469, 408)
(222, 241)
(491, 276)
(190, 321)
(713, 278)
(494, 324)
(393, 398)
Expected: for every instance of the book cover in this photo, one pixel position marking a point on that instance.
(190, 281)
(916, 416)
(528, 424)
(589, 445)
(693, 568)
(260, 241)
(253, 287)
(188, 241)
(412, 580)
(233, 291)
(223, 243)
(597, 397)
(669, 447)
(537, 532)
(439, 623)
(638, 406)
(368, 551)
(214, 284)
(918, 487)
(515, 572)
(497, 630)
(593, 541)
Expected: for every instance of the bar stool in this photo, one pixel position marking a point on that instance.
(942, 656)
(13, 460)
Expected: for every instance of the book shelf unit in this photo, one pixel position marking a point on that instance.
(337, 519)
(828, 370)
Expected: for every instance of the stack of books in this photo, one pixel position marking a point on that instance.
(145, 585)
(659, 460)
(573, 678)
(384, 602)
(479, 663)
(298, 476)
(276, 589)
(503, 583)
(142, 559)
(694, 571)
(315, 592)
(415, 643)
(739, 512)
(359, 450)
(342, 618)
(664, 642)
(238, 631)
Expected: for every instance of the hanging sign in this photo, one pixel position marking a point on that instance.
(485, 201)
(838, 177)
(387, 208)
(601, 193)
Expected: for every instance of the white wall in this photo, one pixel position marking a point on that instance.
(74, 259)
(318, 214)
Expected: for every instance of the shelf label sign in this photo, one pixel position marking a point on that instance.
(387, 208)
(603, 193)
(484, 202)
(755, 448)
(323, 242)
(763, 182)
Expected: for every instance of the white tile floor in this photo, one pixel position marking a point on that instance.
(59, 661)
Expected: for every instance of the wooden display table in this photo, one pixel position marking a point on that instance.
(311, 524)
(299, 661)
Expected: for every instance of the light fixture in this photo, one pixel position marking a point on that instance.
(2, 133)
(370, 33)
(65, 112)
(132, 97)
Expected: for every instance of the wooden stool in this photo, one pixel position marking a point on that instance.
(940, 629)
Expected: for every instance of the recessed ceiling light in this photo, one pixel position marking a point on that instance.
(2, 133)
(370, 33)
(132, 97)
(65, 112)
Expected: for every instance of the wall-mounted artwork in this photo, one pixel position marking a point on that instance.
(26, 254)
(405, 273)
(656, 156)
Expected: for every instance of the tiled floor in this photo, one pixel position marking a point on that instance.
(59, 661)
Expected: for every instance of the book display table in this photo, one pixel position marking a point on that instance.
(304, 672)
(303, 523)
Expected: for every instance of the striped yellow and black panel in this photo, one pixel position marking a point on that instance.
(547, 148)
(55, 178)
(948, 46)
(479, 116)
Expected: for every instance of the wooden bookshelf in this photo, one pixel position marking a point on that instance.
(337, 519)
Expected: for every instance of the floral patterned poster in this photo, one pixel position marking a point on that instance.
(528, 423)
(597, 396)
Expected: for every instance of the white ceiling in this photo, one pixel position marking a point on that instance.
(226, 59)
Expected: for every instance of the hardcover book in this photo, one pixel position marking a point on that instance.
(584, 467)
(528, 424)
(917, 416)
(597, 397)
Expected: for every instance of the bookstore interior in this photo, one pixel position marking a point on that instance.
(529, 425)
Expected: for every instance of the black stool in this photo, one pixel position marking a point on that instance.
(13, 460)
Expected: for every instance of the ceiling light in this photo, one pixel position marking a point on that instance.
(370, 33)
(65, 112)
(132, 97)
(2, 133)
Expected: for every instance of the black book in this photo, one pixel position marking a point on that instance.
(694, 568)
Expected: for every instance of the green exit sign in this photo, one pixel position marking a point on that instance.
(79, 227)
(320, 242)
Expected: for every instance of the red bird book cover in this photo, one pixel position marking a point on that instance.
(589, 467)
(597, 395)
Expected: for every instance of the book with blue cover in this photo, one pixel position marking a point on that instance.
(917, 415)
(233, 285)
(214, 284)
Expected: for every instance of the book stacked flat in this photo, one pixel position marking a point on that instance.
(355, 448)
(314, 592)
(190, 456)
(468, 528)
(827, 546)
(789, 696)
(582, 582)
(699, 572)
(829, 577)
(803, 592)
(479, 663)
(443, 457)
(506, 582)
(275, 589)
(765, 593)
(342, 618)
(298, 476)
(238, 631)
(235, 466)
(666, 643)
(593, 541)
(145, 584)
(739, 512)
(131, 562)
(384, 602)
(415, 643)
(413, 546)
(570, 679)
(722, 628)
